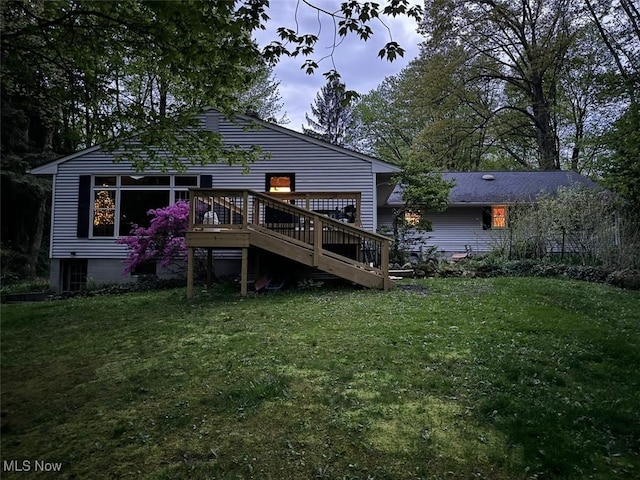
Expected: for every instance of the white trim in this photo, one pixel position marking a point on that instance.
(51, 168)
(374, 190)
(53, 214)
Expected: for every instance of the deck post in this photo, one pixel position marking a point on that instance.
(386, 281)
(190, 273)
(209, 267)
(245, 209)
(318, 227)
(244, 275)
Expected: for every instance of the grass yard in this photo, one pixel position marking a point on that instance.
(508, 378)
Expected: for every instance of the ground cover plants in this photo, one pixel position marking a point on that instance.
(494, 378)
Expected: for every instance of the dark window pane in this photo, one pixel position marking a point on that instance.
(148, 180)
(181, 195)
(136, 203)
(186, 181)
(486, 218)
(74, 274)
(104, 181)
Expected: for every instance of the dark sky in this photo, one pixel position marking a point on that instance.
(357, 61)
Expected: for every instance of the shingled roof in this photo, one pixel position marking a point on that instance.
(485, 188)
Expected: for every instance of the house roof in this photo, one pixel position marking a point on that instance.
(378, 166)
(485, 188)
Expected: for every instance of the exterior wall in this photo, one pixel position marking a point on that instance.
(453, 230)
(55, 275)
(99, 270)
(316, 167)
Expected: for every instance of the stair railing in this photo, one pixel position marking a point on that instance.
(327, 236)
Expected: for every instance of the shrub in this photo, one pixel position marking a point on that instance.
(588, 225)
(163, 241)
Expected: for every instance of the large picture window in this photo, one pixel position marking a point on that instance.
(120, 202)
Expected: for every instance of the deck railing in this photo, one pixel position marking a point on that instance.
(226, 209)
(344, 206)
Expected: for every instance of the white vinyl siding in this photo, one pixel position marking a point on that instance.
(454, 230)
(317, 168)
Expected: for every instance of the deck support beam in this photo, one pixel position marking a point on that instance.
(190, 273)
(209, 268)
(351, 252)
(244, 275)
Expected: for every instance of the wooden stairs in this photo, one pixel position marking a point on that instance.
(244, 219)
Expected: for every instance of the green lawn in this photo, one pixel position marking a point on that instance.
(453, 378)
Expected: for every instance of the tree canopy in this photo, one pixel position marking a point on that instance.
(530, 84)
(331, 114)
(79, 73)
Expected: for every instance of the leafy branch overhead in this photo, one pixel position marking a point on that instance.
(352, 18)
(87, 72)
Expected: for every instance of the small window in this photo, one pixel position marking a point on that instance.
(280, 182)
(74, 274)
(104, 181)
(499, 217)
(494, 217)
(186, 181)
(147, 181)
(412, 218)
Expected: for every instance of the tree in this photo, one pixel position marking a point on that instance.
(95, 71)
(618, 23)
(383, 126)
(584, 108)
(351, 18)
(263, 97)
(520, 46)
(451, 109)
(163, 241)
(622, 172)
(333, 114)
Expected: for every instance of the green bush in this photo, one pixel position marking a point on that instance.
(492, 265)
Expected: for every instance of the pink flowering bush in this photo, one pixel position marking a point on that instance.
(163, 241)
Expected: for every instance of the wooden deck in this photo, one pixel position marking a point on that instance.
(246, 219)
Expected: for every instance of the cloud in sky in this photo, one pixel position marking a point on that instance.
(356, 61)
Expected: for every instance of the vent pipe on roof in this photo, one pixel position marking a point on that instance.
(488, 177)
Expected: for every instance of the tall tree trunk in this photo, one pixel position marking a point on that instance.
(545, 134)
(162, 87)
(579, 115)
(36, 239)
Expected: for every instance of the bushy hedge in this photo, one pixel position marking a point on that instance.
(144, 284)
(493, 266)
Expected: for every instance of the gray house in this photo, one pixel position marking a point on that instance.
(96, 201)
(478, 207)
